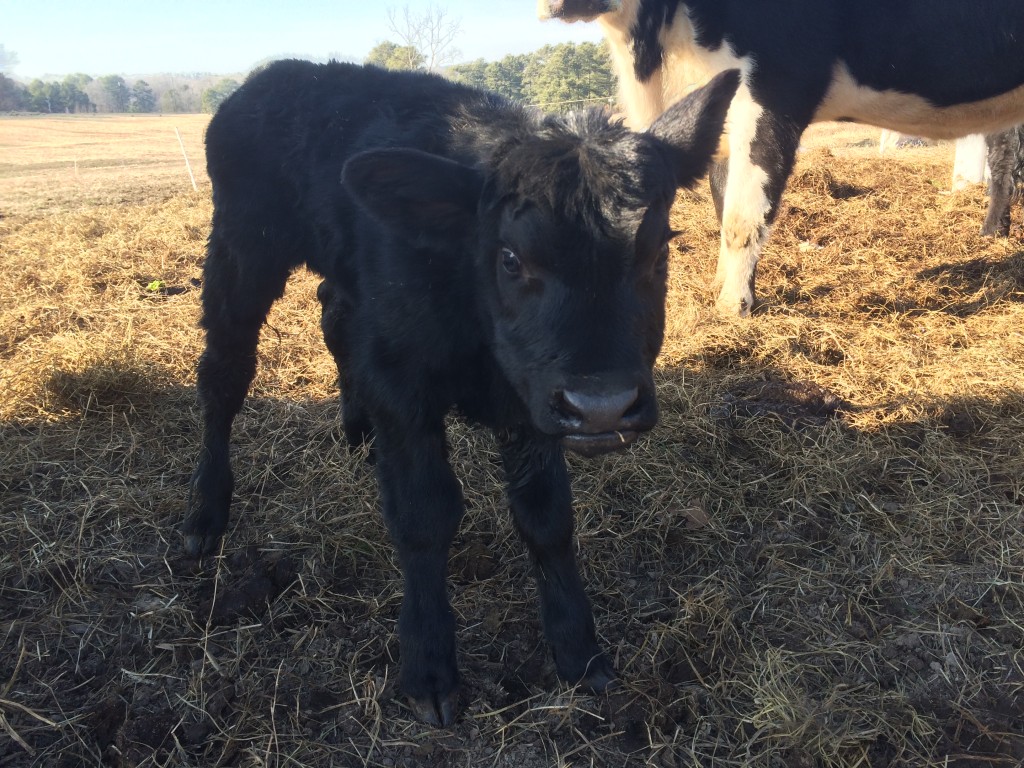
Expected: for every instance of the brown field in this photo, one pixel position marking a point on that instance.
(816, 560)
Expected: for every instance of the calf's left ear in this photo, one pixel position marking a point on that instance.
(420, 196)
(690, 129)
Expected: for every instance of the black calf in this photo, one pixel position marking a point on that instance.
(477, 257)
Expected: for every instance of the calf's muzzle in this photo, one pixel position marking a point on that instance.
(596, 422)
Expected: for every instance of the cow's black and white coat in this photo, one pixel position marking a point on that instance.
(936, 68)
(477, 257)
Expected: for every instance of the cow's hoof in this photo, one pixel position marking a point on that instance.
(206, 511)
(437, 711)
(730, 305)
(994, 231)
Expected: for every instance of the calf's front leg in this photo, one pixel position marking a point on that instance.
(422, 503)
(541, 501)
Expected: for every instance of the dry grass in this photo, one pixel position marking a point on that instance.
(53, 165)
(780, 582)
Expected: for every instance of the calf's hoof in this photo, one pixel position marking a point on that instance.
(201, 535)
(595, 674)
(203, 526)
(600, 675)
(429, 678)
(436, 710)
(199, 545)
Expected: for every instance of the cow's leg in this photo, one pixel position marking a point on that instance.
(334, 318)
(762, 150)
(1000, 186)
(236, 299)
(422, 503)
(541, 501)
(997, 219)
(717, 178)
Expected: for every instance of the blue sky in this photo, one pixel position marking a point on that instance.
(127, 37)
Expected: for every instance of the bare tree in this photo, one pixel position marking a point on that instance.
(431, 33)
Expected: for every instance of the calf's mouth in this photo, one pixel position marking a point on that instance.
(591, 445)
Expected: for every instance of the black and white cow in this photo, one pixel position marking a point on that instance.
(936, 68)
(476, 257)
(1006, 178)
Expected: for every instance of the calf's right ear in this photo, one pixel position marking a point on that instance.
(422, 197)
(690, 129)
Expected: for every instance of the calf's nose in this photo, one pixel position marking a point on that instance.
(594, 413)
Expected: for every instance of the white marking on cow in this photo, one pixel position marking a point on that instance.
(914, 115)
(745, 209)
(970, 161)
(544, 11)
(643, 102)
(686, 65)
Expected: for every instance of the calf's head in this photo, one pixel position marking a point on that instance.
(567, 221)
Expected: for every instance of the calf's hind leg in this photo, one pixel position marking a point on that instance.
(541, 501)
(235, 304)
(334, 318)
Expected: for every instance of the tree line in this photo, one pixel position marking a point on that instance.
(556, 77)
(82, 94)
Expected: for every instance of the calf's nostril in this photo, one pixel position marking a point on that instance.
(564, 406)
(596, 412)
(635, 409)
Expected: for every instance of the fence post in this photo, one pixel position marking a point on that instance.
(188, 165)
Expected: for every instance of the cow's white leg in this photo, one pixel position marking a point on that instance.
(762, 149)
(744, 213)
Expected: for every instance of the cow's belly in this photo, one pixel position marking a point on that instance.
(908, 113)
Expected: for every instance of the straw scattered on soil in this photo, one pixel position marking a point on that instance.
(815, 560)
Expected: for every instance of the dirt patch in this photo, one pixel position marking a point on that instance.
(247, 586)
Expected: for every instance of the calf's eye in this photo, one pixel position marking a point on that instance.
(510, 262)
